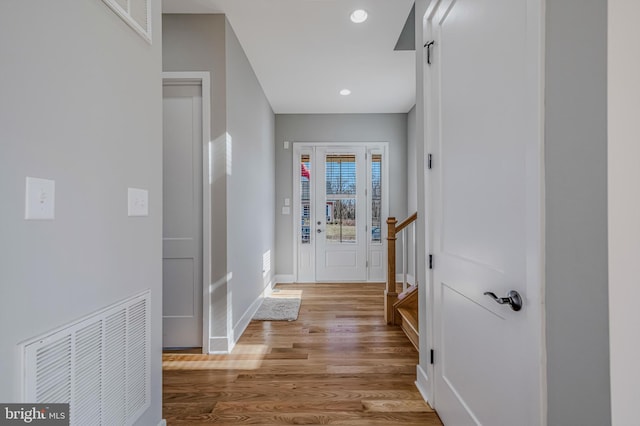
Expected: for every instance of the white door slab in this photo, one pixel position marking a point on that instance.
(484, 118)
(341, 214)
(182, 215)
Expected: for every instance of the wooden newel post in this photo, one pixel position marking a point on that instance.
(390, 294)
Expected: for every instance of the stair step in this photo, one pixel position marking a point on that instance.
(410, 316)
(409, 324)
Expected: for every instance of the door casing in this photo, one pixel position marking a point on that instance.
(204, 79)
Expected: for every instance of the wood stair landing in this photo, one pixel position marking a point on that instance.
(406, 316)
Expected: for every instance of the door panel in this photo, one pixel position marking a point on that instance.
(486, 236)
(340, 214)
(182, 216)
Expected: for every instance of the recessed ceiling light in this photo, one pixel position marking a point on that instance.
(345, 92)
(359, 16)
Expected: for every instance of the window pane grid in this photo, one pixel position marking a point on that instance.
(376, 198)
(340, 209)
(305, 198)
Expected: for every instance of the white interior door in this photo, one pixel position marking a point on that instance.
(340, 214)
(486, 200)
(182, 215)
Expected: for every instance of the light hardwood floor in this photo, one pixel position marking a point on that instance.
(339, 364)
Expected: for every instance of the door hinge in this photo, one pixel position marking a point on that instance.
(428, 46)
(430, 261)
(366, 263)
(429, 163)
(431, 356)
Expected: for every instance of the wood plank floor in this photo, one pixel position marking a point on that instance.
(339, 364)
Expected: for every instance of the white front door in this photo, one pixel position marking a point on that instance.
(182, 215)
(340, 217)
(485, 135)
(340, 194)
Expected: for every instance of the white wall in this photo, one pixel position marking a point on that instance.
(624, 209)
(242, 190)
(576, 214)
(352, 128)
(81, 104)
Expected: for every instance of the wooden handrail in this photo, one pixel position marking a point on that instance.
(390, 294)
(408, 221)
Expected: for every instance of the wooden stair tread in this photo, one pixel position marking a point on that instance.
(411, 316)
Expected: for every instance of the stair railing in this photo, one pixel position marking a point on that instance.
(393, 230)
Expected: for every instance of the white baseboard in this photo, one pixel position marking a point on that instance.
(219, 345)
(411, 280)
(163, 422)
(422, 382)
(244, 321)
(284, 279)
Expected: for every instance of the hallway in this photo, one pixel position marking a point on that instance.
(339, 363)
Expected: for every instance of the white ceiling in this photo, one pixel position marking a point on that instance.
(304, 51)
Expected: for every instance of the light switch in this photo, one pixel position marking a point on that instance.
(138, 204)
(286, 144)
(287, 201)
(286, 210)
(40, 199)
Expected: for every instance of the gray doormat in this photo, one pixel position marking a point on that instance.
(278, 309)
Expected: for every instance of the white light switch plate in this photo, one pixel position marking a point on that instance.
(138, 204)
(287, 201)
(40, 199)
(286, 210)
(286, 144)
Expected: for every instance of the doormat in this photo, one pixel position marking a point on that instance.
(278, 309)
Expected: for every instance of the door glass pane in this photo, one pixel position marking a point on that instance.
(340, 209)
(376, 198)
(305, 198)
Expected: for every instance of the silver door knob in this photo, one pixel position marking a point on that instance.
(513, 299)
(319, 231)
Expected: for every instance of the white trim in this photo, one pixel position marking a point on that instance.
(411, 280)
(422, 382)
(163, 422)
(283, 279)
(125, 15)
(218, 345)
(204, 78)
(246, 318)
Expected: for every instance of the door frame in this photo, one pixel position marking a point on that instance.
(535, 219)
(369, 146)
(204, 79)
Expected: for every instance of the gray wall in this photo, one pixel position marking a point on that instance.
(352, 128)
(576, 214)
(80, 104)
(251, 183)
(197, 43)
(412, 162)
(242, 191)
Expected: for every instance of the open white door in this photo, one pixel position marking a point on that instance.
(485, 109)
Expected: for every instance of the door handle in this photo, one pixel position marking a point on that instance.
(513, 299)
(319, 231)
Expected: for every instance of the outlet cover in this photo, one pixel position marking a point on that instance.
(138, 202)
(40, 199)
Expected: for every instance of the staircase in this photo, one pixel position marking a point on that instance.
(401, 308)
(406, 314)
